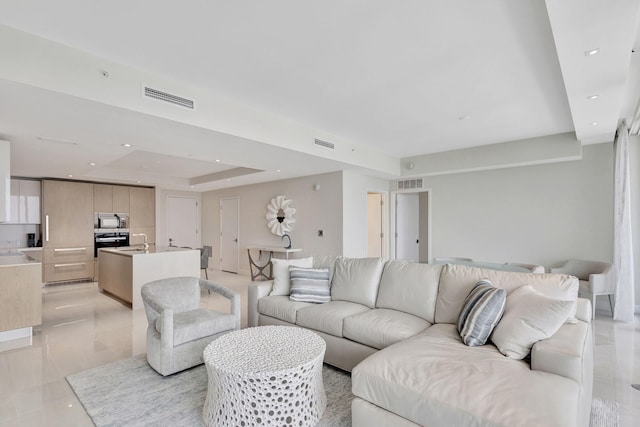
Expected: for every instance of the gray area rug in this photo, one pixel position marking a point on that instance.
(130, 393)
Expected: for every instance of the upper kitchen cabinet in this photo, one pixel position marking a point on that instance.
(111, 198)
(25, 201)
(5, 181)
(67, 212)
(142, 215)
(142, 211)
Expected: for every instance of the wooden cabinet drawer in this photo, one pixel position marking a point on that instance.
(65, 271)
(70, 254)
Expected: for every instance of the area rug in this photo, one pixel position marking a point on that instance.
(130, 393)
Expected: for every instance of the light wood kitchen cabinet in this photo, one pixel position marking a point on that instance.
(121, 195)
(111, 198)
(25, 201)
(142, 206)
(67, 212)
(21, 291)
(102, 198)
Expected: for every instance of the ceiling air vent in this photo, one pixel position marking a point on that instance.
(410, 184)
(324, 144)
(167, 97)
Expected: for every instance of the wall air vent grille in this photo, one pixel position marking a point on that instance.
(324, 143)
(410, 184)
(167, 97)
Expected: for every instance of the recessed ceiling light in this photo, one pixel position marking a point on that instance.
(217, 160)
(70, 176)
(92, 164)
(278, 170)
(595, 96)
(191, 186)
(227, 180)
(464, 117)
(594, 123)
(127, 145)
(592, 52)
(139, 182)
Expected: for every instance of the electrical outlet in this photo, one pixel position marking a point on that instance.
(320, 233)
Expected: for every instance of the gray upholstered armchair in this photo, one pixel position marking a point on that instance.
(595, 278)
(179, 329)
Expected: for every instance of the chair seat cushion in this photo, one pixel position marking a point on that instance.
(199, 323)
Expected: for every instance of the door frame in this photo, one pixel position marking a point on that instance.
(393, 219)
(237, 199)
(384, 219)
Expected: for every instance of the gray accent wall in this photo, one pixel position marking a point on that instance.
(539, 214)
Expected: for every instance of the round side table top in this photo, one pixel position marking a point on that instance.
(264, 349)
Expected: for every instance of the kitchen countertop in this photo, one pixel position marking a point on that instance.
(138, 250)
(16, 258)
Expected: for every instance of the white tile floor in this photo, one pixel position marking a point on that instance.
(83, 328)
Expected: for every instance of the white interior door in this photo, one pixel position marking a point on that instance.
(407, 227)
(374, 225)
(229, 234)
(183, 226)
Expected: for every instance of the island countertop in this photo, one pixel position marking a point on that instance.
(137, 250)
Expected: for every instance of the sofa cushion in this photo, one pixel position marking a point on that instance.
(281, 282)
(457, 280)
(199, 323)
(528, 318)
(480, 313)
(328, 317)
(309, 285)
(357, 280)
(433, 379)
(410, 287)
(280, 307)
(381, 327)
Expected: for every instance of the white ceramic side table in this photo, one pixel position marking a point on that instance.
(269, 375)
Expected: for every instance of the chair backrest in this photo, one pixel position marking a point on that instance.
(582, 269)
(204, 258)
(452, 259)
(534, 268)
(178, 293)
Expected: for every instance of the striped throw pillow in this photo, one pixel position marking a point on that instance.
(480, 313)
(309, 284)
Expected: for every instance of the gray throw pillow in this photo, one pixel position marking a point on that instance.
(309, 284)
(481, 312)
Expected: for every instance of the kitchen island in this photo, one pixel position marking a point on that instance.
(20, 295)
(123, 271)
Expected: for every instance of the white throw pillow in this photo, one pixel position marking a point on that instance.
(528, 318)
(281, 282)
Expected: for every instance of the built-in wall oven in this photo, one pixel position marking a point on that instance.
(110, 231)
(110, 239)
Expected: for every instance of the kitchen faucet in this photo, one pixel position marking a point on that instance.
(146, 245)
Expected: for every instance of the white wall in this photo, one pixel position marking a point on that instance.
(315, 210)
(162, 239)
(354, 210)
(540, 214)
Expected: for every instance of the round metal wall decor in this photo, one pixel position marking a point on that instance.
(280, 215)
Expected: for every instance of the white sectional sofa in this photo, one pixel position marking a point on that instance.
(393, 325)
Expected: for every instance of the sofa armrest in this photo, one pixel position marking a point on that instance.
(583, 310)
(568, 353)
(257, 290)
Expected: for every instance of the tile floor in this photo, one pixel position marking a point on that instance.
(83, 328)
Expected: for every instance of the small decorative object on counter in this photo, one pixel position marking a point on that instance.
(288, 246)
